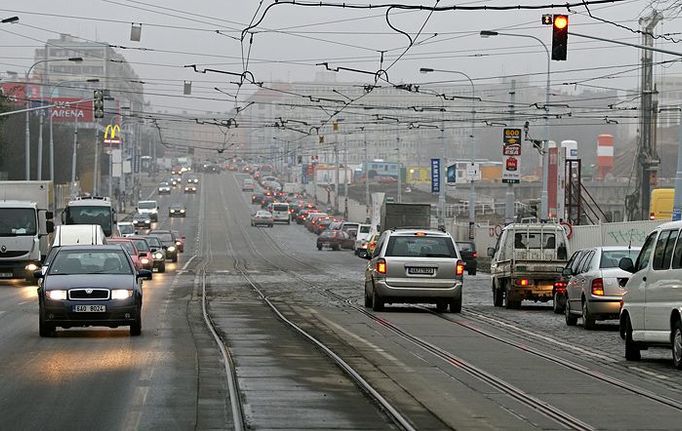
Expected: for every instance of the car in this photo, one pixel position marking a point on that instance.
(126, 228)
(262, 217)
(280, 212)
(192, 180)
(177, 210)
(149, 207)
(129, 246)
(168, 242)
(190, 189)
(90, 286)
(371, 245)
(415, 266)
(361, 238)
(331, 238)
(179, 241)
(142, 220)
(559, 290)
(467, 249)
(78, 234)
(248, 185)
(145, 252)
(257, 198)
(164, 188)
(595, 290)
(321, 224)
(158, 253)
(651, 315)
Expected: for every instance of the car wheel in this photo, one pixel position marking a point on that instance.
(162, 267)
(571, 320)
(588, 318)
(319, 247)
(632, 350)
(377, 301)
(677, 345)
(557, 306)
(368, 299)
(456, 306)
(45, 329)
(441, 306)
(509, 302)
(136, 326)
(472, 272)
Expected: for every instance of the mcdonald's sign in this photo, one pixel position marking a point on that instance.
(112, 135)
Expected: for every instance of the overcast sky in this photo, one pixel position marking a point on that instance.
(177, 32)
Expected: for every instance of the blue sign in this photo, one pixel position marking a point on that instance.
(677, 214)
(435, 175)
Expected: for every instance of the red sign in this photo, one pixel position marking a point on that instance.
(512, 164)
(14, 91)
(67, 111)
(511, 150)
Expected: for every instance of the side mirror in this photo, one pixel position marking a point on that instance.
(145, 274)
(38, 274)
(491, 251)
(49, 226)
(567, 272)
(626, 264)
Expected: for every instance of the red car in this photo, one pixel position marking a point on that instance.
(129, 246)
(144, 251)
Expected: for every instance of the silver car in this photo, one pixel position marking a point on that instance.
(596, 288)
(415, 266)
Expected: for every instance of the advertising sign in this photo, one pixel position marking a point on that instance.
(511, 152)
(435, 175)
(68, 111)
(511, 172)
(112, 136)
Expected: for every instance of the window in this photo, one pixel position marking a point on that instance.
(645, 255)
(424, 246)
(586, 262)
(659, 252)
(677, 256)
(535, 240)
(668, 253)
(611, 258)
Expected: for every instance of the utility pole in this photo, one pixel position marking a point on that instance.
(400, 170)
(637, 203)
(73, 157)
(336, 175)
(367, 203)
(443, 168)
(509, 196)
(345, 177)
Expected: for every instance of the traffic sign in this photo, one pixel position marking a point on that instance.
(473, 172)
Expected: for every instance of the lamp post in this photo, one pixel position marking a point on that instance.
(27, 148)
(73, 168)
(544, 201)
(472, 146)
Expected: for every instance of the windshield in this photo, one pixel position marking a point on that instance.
(153, 241)
(465, 246)
(101, 215)
(280, 207)
(164, 184)
(164, 237)
(90, 262)
(365, 229)
(610, 258)
(126, 229)
(141, 245)
(17, 221)
(146, 205)
(415, 246)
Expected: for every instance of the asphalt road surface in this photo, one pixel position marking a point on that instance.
(485, 368)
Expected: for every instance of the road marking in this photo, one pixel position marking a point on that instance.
(650, 373)
(184, 267)
(23, 302)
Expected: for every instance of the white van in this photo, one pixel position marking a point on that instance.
(652, 303)
(280, 212)
(78, 234)
(149, 207)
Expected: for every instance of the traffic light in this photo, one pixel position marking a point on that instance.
(559, 37)
(98, 104)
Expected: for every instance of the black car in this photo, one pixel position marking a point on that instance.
(177, 210)
(142, 220)
(90, 286)
(158, 252)
(257, 198)
(468, 251)
(167, 239)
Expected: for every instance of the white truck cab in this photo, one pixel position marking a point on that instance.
(149, 207)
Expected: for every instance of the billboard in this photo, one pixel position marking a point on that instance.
(66, 111)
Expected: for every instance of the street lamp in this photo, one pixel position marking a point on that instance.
(75, 143)
(27, 148)
(544, 201)
(472, 185)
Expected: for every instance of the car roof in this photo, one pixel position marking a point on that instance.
(113, 247)
(671, 225)
(412, 232)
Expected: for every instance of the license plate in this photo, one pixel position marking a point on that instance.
(89, 308)
(421, 270)
(6, 275)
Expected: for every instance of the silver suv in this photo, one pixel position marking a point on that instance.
(415, 266)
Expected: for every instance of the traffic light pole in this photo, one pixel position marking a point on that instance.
(634, 45)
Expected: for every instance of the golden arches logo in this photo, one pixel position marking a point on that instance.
(111, 131)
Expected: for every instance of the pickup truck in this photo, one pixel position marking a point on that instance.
(526, 261)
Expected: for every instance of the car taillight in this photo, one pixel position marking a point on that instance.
(523, 282)
(560, 286)
(460, 269)
(598, 287)
(381, 266)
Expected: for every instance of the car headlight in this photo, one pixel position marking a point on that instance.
(31, 267)
(121, 294)
(178, 242)
(172, 211)
(158, 255)
(171, 248)
(144, 261)
(147, 221)
(182, 211)
(56, 295)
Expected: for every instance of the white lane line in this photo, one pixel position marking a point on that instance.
(23, 302)
(184, 267)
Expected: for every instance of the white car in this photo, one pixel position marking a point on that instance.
(280, 212)
(651, 315)
(126, 228)
(149, 207)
